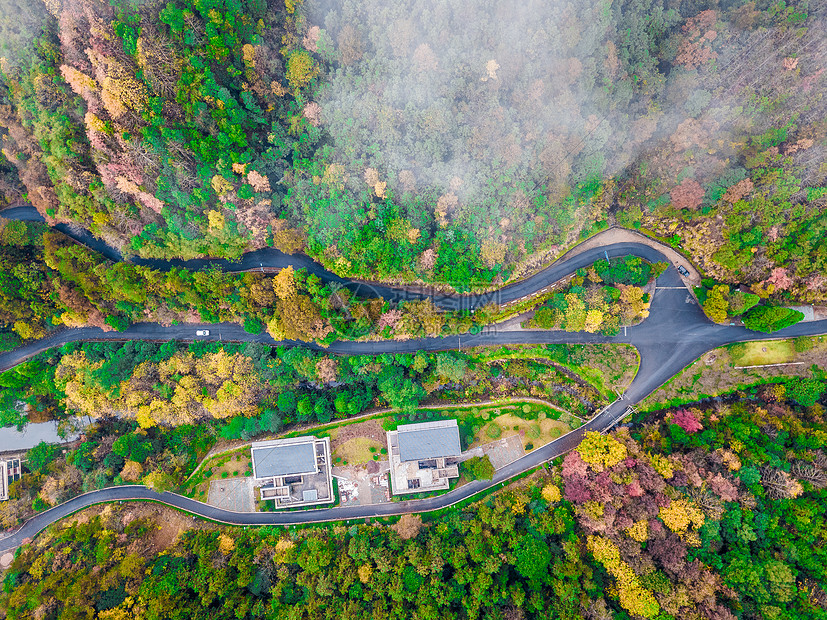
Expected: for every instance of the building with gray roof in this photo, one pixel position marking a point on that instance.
(424, 456)
(293, 472)
(428, 440)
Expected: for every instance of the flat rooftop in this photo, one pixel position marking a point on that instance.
(284, 457)
(428, 440)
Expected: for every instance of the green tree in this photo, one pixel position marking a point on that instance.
(740, 302)
(716, 305)
(84, 456)
(287, 402)
(478, 468)
(805, 391)
(305, 408)
(770, 319)
(533, 557)
(39, 457)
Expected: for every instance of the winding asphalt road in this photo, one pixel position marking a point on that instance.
(675, 334)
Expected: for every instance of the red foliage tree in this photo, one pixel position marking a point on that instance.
(576, 490)
(687, 421)
(687, 195)
(573, 465)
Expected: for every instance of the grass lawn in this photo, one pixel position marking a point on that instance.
(351, 440)
(235, 464)
(534, 433)
(357, 451)
(739, 367)
(480, 423)
(766, 352)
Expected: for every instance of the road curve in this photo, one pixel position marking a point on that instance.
(340, 513)
(675, 334)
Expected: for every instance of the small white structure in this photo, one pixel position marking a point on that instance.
(293, 472)
(424, 456)
(4, 480)
(10, 471)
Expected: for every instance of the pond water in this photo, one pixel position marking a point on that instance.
(31, 435)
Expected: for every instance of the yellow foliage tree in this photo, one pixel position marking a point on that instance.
(639, 531)
(132, 471)
(226, 545)
(288, 240)
(551, 493)
(284, 284)
(594, 319)
(492, 252)
(661, 465)
(301, 68)
(221, 185)
(636, 599)
(216, 219)
(601, 451)
(680, 514)
(365, 571)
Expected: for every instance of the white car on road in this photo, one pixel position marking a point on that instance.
(202, 332)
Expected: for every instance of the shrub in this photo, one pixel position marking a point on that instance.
(245, 192)
(805, 391)
(478, 468)
(803, 343)
(253, 325)
(770, 319)
(493, 431)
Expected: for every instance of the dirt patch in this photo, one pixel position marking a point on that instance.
(227, 466)
(352, 443)
(504, 451)
(360, 486)
(169, 523)
(357, 451)
(372, 429)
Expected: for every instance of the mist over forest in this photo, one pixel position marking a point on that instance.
(492, 113)
(439, 141)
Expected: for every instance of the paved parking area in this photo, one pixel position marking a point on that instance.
(232, 494)
(504, 451)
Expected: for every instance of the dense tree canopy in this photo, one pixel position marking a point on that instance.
(715, 513)
(448, 141)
